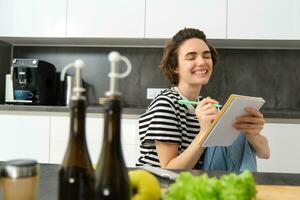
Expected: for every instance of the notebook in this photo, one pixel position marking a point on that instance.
(221, 132)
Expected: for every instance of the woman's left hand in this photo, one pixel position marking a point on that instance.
(250, 124)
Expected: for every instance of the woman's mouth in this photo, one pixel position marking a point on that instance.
(200, 72)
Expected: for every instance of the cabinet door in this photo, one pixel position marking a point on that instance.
(165, 18)
(284, 145)
(109, 19)
(32, 18)
(24, 136)
(130, 141)
(263, 19)
(59, 137)
(95, 127)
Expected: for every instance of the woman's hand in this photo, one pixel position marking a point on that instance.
(250, 124)
(206, 112)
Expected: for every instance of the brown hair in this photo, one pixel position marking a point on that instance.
(169, 60)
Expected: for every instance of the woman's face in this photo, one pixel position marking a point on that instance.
(194, 63)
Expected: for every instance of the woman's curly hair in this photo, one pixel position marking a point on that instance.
(169, 60)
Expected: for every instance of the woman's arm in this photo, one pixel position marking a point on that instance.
(260, 145)
(168, 153)
(251, 125)
(169, 158)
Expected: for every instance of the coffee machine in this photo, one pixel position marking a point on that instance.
(31, 81)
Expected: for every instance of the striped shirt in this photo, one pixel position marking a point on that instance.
(168, 121)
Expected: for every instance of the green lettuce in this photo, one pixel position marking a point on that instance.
(228, 187)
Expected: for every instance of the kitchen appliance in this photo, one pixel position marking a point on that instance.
(64, 89)
(31, 81)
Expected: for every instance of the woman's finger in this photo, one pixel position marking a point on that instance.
(209, 111)
(250, 131)
(248, 126)
(207, 101)
(254, 112)
(250, 119)
(206, 107)
(209, 117)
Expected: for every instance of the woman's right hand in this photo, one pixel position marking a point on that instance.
(206, 112)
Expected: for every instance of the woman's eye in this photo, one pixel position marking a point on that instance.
(190, 57)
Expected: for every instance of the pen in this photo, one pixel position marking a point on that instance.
(218, 106)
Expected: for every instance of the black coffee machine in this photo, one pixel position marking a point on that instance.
(32, 81)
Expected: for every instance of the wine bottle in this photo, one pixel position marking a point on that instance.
(76, 174)
(112, 181)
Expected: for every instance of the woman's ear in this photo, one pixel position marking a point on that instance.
(176, 70)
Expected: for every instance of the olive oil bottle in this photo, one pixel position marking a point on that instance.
(76, 175)
(112, 182)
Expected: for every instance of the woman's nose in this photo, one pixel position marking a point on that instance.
(200, 60)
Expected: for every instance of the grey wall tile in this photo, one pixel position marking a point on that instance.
(272, 74)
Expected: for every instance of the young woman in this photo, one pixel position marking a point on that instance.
(170, 133)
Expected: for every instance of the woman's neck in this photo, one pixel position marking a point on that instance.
(189, 92)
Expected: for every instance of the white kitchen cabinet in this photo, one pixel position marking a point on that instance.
(284, 145)
(32, 18)
(263, 19)
(165, 18)
(94, 131)
(24, 136)
(106, 19)
(44, 137)
(130, 140)
(59, 136)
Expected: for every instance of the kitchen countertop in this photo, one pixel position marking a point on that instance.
(90, 109)
(283, 113)
(49, 175)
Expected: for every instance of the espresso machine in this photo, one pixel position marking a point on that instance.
(31, 81)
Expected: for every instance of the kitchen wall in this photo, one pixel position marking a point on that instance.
(272, 74)
(5, 59)
(145, 72)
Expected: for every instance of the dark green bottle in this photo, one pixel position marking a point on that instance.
(112, 181)
(76, 174)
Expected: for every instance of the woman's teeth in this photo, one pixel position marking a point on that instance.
(200, 72)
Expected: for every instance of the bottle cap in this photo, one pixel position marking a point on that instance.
(77, 89)
(20, 168)
(114, 58)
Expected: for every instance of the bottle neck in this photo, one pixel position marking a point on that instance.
(77, 152)
(112, 116)
(77, 127)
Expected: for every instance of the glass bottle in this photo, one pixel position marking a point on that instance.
(76, 174)
(112, 181)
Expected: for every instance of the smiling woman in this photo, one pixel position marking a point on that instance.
(170, 132)
(195, 57)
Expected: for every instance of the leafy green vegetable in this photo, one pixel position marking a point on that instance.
(228, 187)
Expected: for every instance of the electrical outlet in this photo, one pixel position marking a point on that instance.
(153, 92)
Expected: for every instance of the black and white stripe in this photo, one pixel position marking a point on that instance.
(165, 120)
